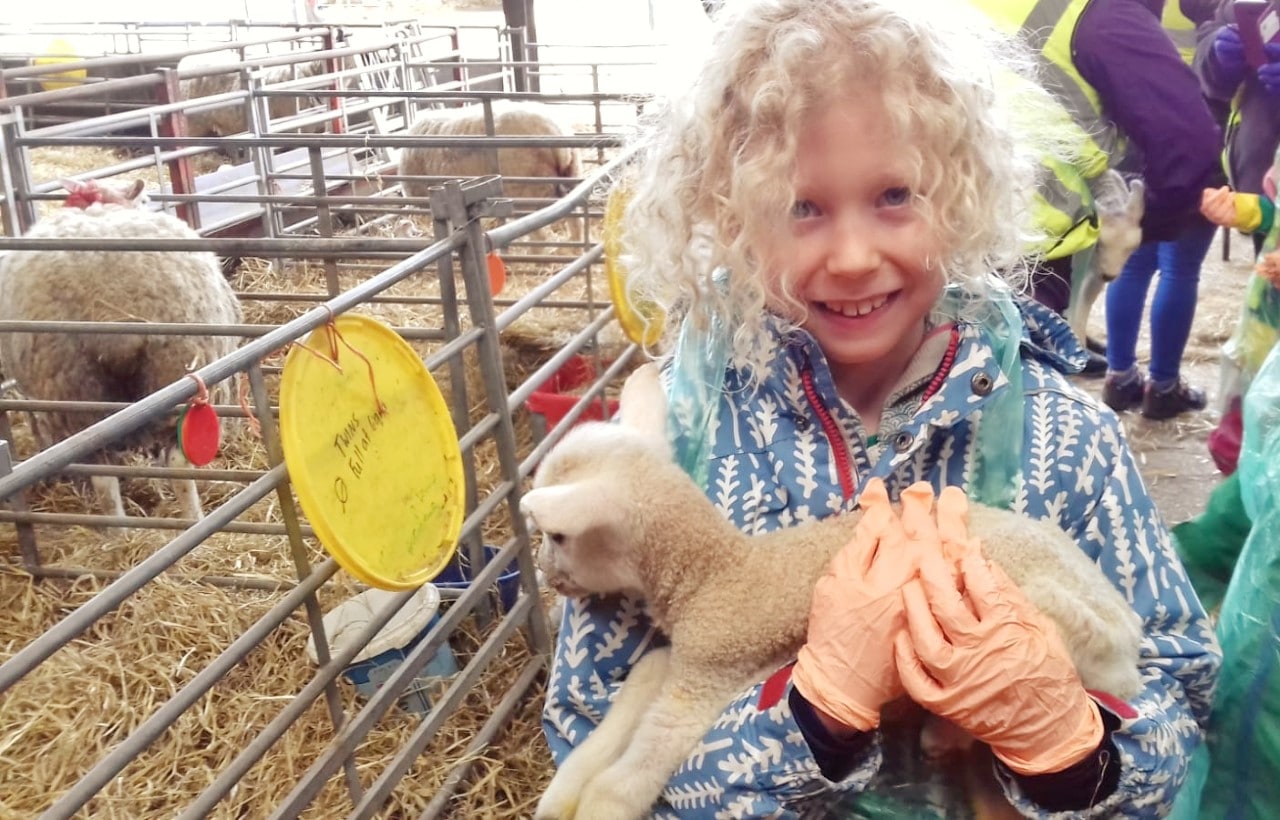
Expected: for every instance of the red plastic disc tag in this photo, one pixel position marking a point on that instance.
(199, 433)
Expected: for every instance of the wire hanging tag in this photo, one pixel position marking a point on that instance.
(333, 336)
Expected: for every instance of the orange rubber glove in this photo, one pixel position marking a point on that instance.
(1219, 206)
(978, 653)
(846, 668)
(1223, 206)
(1268, 268)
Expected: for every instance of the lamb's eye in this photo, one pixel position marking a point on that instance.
(556, 538)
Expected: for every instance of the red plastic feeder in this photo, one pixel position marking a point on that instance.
(554, 398)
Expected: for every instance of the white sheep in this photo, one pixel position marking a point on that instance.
(558, 166)
(1120, 207)
(618, 515)
(111, 286)
(233, 118)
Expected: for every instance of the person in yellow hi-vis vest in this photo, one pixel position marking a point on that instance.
(1161, 393)
(1116, 69)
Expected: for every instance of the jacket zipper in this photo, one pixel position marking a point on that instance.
(832, 430)
(834, 437)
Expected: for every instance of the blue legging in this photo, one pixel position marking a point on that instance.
(1172, 309)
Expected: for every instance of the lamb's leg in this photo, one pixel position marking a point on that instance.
(673, 725)
(184, 489)
(610, 738)
(107, 489)
(1086, 285)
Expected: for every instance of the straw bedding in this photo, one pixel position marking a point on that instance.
(74, 708)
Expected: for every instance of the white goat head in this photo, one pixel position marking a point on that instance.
(1120, 207)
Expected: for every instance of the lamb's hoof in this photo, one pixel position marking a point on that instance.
(602, 800)
(556, 807)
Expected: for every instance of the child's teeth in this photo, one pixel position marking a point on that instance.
(855, 309)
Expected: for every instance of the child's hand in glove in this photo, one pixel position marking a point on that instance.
(978, 653)
(1219, 206)
(846, 668)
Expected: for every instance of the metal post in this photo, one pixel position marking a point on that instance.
(460, 406)
(302, 565)
(263, 159)
(460, 211)
(174, 124)
(15, 175)
(324, 217)
(9, 219)
(18, 503)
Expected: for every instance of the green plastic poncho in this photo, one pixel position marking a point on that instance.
(1244, 733)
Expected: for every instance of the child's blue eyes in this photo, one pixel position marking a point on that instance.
(896, 196)
(804, 209)
(890, 198)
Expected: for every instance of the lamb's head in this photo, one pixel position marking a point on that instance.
(83, 193)
(1120, 207)
(586, 500)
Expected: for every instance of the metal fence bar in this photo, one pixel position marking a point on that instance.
(349, 738)
(47, 462)
(501, 714)
(138, 523)
(30, 656)
(169, 712)
(267, 417)
(380, 790)
(235, 582)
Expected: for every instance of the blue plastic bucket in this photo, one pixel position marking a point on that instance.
(378, 660)
(458, 575)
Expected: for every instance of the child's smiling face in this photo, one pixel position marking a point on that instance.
(859, 256)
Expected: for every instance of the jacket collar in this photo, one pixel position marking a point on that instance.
(975, 372)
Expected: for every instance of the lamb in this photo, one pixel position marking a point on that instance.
(111, 286)
(1120, 208)
(509, 120)
(233, 118)
(605, 499)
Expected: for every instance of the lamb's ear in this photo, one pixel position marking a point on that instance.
(643, 405)
(1137, 204)
(135, 190)
(566, 509)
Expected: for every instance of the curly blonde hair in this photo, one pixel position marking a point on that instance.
(713, 180)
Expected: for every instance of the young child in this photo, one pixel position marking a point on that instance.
(822, 209)
(1258, 329)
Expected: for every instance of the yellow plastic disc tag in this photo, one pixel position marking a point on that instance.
(641, 322)
(60, 51)
(372, 453)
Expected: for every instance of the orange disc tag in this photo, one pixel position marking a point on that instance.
(497, 273)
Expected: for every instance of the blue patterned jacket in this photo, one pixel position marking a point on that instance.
(793, 450)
